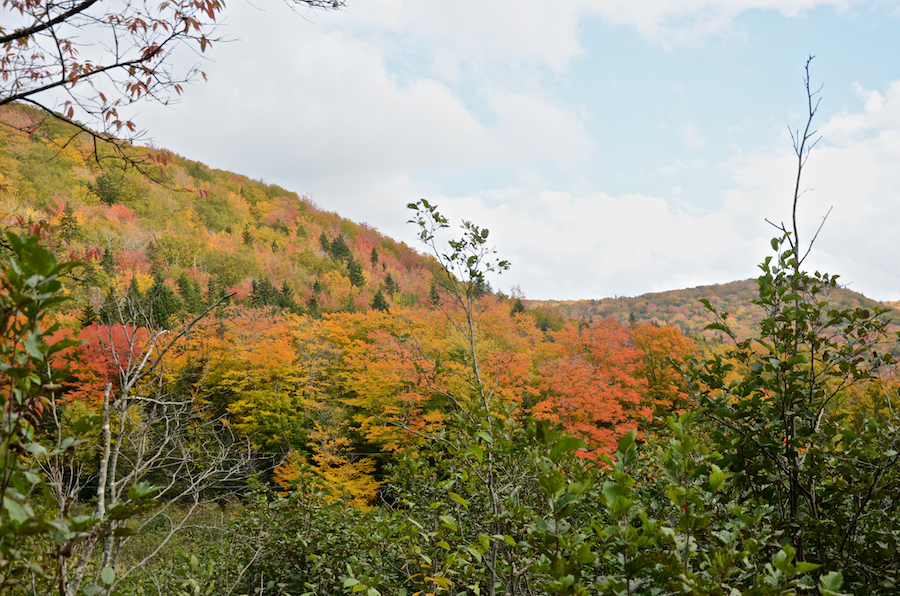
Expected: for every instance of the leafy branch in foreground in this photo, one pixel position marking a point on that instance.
(777, 405)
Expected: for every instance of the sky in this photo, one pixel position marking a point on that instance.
(612, 147)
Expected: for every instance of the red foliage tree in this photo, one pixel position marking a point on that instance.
(592, 383)
(105, 351)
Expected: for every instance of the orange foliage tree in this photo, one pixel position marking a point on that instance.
(250, 367)
(393, 372)
(105, 351)
(665, 349)
(592, 383)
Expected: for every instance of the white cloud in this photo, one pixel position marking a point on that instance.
(325, 113)
(532, 30)
(567, 244)
(547, 32)
(325, 107)
(677, 22)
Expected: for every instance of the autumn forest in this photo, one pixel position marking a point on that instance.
(213, 385)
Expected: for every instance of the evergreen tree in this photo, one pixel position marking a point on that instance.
(285, 299)
(378, 302)
(215, 289)
(312, 307)
(68, 224)
(190, 294)
(109, 186)
(481, 287)
(390, 286)
(127, 309)
(133, 295)
(154, 255)
(247, 237)
(517, 307)
(88, 316)
(163, 302)
(373, 257)
(339, 249)
(108, 261)
(263, 293)
(355, 272)
(325, 243)
(434, 296)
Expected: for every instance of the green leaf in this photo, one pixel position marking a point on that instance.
(676, 495)
(449, 522)
(621, 505)
(34, 345)
(717, 478)
(627, 441)
(795, 360)
(485, 437)
(565, 445)
(804, 567)
(477, 451)
(831, 581)
(108, 575)
(458, 499)
(611, 491)
(16, 511)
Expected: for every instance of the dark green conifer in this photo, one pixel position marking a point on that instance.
(215, 289)
(355, 272)
(163, 302)
(378, 302)
(109, 186)
(88, 316)
(190, 294)
(434, 296)
(390, 286)
(68, 224)
(339, 249)
(108, 261)
(312, 307)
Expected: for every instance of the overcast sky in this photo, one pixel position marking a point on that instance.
(612, 147)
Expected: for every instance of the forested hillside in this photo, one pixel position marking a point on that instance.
(194, 224)
(682, 308)
(214, 386)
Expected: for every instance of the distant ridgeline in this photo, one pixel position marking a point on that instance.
(682, 309)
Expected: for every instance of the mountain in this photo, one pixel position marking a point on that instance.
(181, 220)
(681, 308)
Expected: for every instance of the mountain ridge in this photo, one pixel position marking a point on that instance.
(682, 308)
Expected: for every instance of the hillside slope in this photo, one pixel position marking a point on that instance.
(681, 308)
(219, 230)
